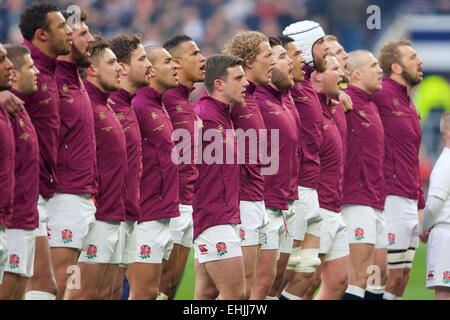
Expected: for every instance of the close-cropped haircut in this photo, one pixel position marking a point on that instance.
(274, 41)
(390, 54)
(17, 53)
(329, 37)
(245, 45)
(285, 40)
(98, 47)
(123, 46)
(173, 44)
(35, 17)
(217, 68)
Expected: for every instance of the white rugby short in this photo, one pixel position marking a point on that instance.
(3, 251)
(182, 227)
(333, 236)
(275, 230)
(253, 220)
(307, 214)
(43, 217)
(151, 242)
(365, 225)
(102, 244)
(286, 238)
(70, 216)
(218, 243)
(21, 248)
(438, 257)
(402, 223)
(127, 229)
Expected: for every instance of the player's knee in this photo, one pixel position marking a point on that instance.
(294, 258)
(309, 261)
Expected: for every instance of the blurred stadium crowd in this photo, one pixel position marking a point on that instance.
(211, 22)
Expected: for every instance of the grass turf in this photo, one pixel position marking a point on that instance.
(415, 290)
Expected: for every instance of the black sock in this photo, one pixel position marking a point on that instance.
(349, 296)
(373, 296)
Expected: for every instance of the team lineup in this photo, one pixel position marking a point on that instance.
(293, 176)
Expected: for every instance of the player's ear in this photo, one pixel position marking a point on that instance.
(218, 85)
(15, 76)
(125, 69)
(91, 71)
(41, 35)
(396, 68)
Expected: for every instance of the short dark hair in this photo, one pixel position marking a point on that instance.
(285, 40)
(217, 68)
(35, 17)
(123, 46)
(274, 41)
(172, 44)
(98, 47)
(16, 53)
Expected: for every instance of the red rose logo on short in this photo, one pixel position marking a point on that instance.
(203, 249)
(91, 251)
(242, 234)
(446, 277)
(359, 234)
(66, 235)
(145, 251)
(13, 261)
(391, 239)
(221, 248)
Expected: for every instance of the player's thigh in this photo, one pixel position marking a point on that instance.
(227, 274)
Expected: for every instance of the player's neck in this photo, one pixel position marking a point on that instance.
(185, 81)
(447, 141)
(43, 47)
(399, 79)
(359, 86)
(127, 85)
(67, 58)
(249, 75)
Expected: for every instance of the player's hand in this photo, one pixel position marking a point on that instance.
(345, 101)
(11, 103)
(424, 235)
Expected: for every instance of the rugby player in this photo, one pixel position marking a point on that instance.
(217, 244)
(334, 248)
(308, 37)
(47, 35)
(7, 155)
(101, 246)
(135, 73)
(24, 220)
(280, 115)
(402, 68)
(71, 210)
(253, 47)
(363, 192)
(191, 70)
(152, 241)
(436, 219)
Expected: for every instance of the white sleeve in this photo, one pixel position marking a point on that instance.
(440, 177)
(432, 209)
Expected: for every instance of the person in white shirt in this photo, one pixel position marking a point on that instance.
(436, 220)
